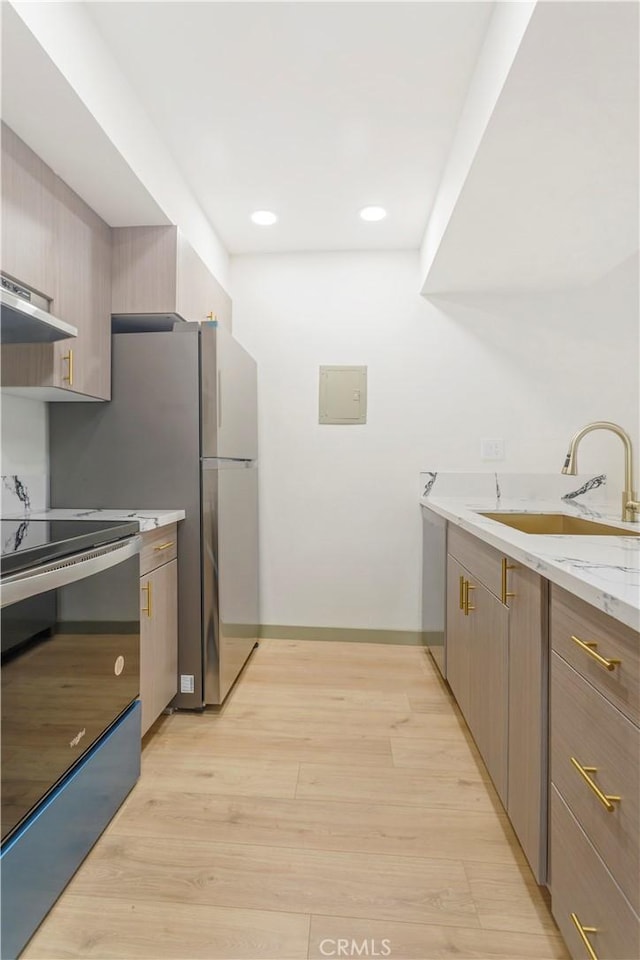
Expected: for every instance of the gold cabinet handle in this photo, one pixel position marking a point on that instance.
(165, 546)
(583, 931)
(68, 357)
(505, 567)
(591, 648)
(467, 586)
(147, 589)
(607, 801)
(461, 600)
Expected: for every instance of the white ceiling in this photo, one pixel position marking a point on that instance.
(312, 110)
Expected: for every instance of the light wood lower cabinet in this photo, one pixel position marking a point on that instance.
(594, 916)
(458, 637)
(477, 665)
(497, 656)
(527, 794)
(158, 640)
(595, 752)
(489, 695)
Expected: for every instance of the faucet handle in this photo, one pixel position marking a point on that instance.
(630, 506)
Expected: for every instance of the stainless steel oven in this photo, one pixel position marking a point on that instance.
(70, 650)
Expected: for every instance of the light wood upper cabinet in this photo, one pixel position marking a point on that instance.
(156, 271)
(83, 298)
(28, 204)
(54, 242)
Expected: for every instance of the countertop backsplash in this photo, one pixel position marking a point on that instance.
(23, 493)
(583, 489)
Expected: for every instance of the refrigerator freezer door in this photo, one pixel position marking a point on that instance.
(229, 397)
(229, 571)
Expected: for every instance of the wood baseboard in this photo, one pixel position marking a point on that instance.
(411, 638)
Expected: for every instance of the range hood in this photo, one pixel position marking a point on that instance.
(25, 317)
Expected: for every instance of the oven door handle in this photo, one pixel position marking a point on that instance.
(51, 576)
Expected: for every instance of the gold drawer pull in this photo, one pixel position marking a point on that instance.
(505, 567)
(461, 593)
(591, 648)
(165, 546)
(467, 586)
(69, 359)
(583, 931)
(606, 801)
(147, 589)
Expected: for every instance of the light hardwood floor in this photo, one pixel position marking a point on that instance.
(337, 796)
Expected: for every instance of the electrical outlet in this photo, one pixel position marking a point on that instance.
(492, 449)
(186, 683)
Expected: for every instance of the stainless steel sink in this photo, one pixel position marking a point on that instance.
(559, 523)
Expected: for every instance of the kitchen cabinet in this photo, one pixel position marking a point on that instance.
(156, 271)
(527, 599)
(28, 202)
(595, 793)
(68, 261)
(477, 637)
(158, 622)
(497, 643)
(458, 636)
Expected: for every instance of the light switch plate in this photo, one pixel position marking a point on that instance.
(491, 449)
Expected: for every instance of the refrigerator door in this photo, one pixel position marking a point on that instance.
(229, 397)
(229, 571)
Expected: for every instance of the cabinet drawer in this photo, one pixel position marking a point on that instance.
(482, 561)
(158, 547)
(587, 727)
(572, 617)
(582, 885)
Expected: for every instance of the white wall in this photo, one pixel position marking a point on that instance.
(340, 525)
(24, 453)
(25, 445)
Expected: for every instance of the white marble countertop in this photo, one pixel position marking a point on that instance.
(604, 571)
(148, 519)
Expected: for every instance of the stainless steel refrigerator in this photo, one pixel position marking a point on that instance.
(180, 432)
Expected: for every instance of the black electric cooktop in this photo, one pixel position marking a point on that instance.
(29, 543)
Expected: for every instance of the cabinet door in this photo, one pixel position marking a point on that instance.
(158, 641)
(144, 270)
(528, 671)
(458, 650)
(488, 626)
(28, 247)
(198, 292)
(83, 296)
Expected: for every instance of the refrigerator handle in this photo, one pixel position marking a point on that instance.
(219, 378)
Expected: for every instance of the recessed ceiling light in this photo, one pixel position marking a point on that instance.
(373, 213)
(264, 218)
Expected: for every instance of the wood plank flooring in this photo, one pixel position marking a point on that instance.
(337, 796)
